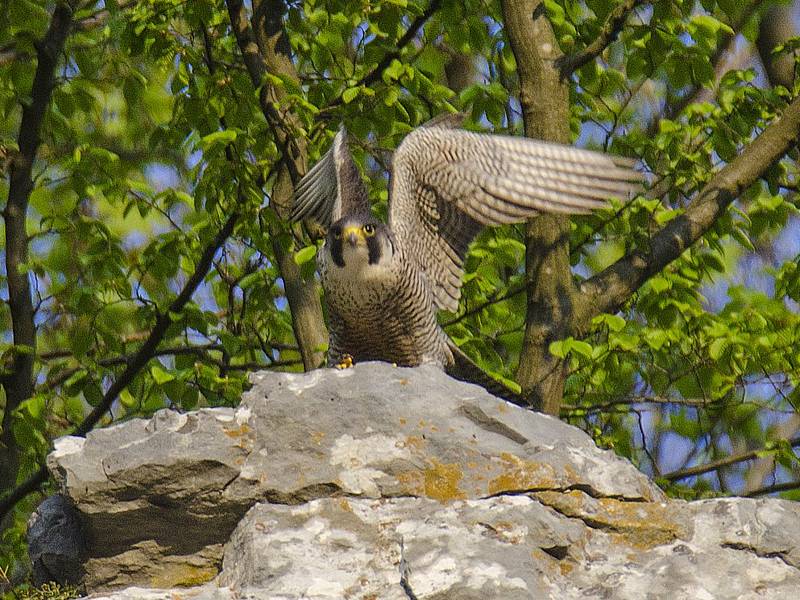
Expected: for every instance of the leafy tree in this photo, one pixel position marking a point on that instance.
(149, 151)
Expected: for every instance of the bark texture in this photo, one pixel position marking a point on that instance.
(545, 107)
(17, 379)
(265, 49)
(777, 26)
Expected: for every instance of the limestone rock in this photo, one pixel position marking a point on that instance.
(383, 482)
(515, 547)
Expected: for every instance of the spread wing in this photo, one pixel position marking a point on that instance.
(449, 183)
(332, 188)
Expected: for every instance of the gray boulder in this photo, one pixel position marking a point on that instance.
(56, 544)
(384, 482)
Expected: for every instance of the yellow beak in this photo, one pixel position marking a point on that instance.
(354, 235)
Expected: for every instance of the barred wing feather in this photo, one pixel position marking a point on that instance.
(449, 183)
(332, 188)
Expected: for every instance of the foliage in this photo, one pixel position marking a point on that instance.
(155, 134)
(46, 591)
(49, 591)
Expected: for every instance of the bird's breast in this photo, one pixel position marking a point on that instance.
(380, 312)
(352, 289)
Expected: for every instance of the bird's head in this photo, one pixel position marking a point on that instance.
(358, 242)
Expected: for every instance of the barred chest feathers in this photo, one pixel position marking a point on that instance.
(380, 307)
(355, 287)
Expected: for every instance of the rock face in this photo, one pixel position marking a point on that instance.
(382, 482)
(57, 547)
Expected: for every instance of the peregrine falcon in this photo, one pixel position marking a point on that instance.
(384, 283)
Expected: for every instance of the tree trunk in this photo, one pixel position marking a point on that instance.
(265, 48)
(777, 26)
(18, 381)
(545, 107)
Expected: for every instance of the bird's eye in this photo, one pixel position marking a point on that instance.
(369, 229)
(337, 234)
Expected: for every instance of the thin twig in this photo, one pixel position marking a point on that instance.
(786, 486)
(404, 40)
(137, 362)
(612, 27)
(494, 299)
(723, 462)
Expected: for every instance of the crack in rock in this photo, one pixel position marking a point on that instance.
(760, 553)
(557, 552)
(487, 423)
(405, 571)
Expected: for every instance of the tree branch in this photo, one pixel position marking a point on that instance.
(404, 40)
(122, 359)
(146, 351)
(544, 99)
(775, 28)
(670, 111)
(266, 50)
(163, 321)
(610, 289)
(612, 27)
(757, 474)
(284, 124)
(723, 462)
(18, 382)
(787, 486)
(9, 53)
(571, 410)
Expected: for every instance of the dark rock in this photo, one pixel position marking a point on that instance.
(56, 543)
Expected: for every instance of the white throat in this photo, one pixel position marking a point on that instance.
(356, 265)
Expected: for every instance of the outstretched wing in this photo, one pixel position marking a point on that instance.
(449, 183)
(332, 188)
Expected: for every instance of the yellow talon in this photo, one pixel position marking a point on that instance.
(345, 363)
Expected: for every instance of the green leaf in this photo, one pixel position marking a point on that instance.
(688, 428)
(350, 94)
(226, 136)
(160, 376)
(559, 348)
(393, 72)
(581, 348)
(127, 399)
(710, 25)
(613, 322)
(740, 236)
(304, 255)
(717, 347)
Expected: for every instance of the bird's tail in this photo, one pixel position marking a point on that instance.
(465, 369)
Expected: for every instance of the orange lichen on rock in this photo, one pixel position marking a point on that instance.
(518, 474)
(414, 442)
(642, 525)
(240, 431)
(441, 482)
